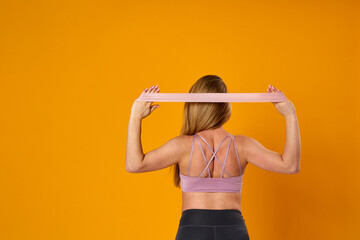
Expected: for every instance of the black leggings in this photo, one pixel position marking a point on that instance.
(212, 224)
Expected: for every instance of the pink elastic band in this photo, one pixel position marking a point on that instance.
(212, 97)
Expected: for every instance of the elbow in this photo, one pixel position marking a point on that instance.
(133, 166)
(129, 166)
(129, 169)
(132, 169)
(294, 170)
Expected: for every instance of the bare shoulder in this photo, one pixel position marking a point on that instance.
(182, 142)
(183, 139)
(240, 140)
(258, 155)
(242, 144)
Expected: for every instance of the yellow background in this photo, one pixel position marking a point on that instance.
(70, 71)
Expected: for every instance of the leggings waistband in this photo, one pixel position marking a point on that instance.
(211, 217)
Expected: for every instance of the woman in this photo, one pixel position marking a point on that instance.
(211, 200)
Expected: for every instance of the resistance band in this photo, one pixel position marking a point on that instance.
(212, 97)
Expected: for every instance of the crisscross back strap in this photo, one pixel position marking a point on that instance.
(237, 155)
(212, 97)
(192, 150)
(226, 157)
(213, 155)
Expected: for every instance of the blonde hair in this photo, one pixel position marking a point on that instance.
(200, 116)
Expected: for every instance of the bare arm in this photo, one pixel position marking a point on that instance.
(164, 156)
(292, 149)
(134, 151)
(289, 162)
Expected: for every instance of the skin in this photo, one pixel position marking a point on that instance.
(250, 151)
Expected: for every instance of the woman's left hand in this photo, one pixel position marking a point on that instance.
(142, 109)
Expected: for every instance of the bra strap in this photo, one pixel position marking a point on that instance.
(214, 155)
(237, 155)
(202, 151)
(226, 157)
(192, 150)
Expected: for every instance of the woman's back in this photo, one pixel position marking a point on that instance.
(193, 165)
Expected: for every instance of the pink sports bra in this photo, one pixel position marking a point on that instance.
(210, 184)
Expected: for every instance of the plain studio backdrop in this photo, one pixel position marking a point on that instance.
(70, 71)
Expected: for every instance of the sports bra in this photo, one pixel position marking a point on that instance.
(210, 184)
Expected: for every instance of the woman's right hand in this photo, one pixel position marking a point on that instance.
(285, 108)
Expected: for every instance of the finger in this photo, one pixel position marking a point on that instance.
(153, 88)
(150, 89)
(147, 103)
(156, 88)
(153, 107)
(276, 90)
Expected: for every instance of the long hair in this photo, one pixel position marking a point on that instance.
(200, 116)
